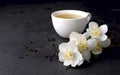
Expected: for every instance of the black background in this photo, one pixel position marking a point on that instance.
(93, 3)
(26, 24)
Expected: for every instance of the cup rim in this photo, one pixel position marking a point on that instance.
(69, 10)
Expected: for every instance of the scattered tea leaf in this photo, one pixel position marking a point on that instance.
(26, 47)
(68, 67)
(21, 57)
(51, 58)
(51, 39)
(26, 54)
(31, 42)
(31, 50)
(46, 56)
(35, 50)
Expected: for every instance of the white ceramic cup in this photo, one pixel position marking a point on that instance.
(65, 26)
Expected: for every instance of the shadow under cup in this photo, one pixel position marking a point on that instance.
(66, 21)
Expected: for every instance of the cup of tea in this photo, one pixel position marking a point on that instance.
(66, 21)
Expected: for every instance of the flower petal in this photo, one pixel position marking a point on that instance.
(77, 59)
(86, 34)
(97, 51)
(106, 43)
(72, 46)
(82, 38)
(74, 36)
(92, 44)
(104, 28)
(61, 57)
(88, 31)
(62, 47)
(103, 37)
(86, 55)
(67, 63)
(93, 25)
(80, 62)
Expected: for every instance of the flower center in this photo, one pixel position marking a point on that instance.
(95, 32)
(82, 46)
(69, 55)
(98, 47)
(75, 41)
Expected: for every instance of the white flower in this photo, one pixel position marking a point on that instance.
(101, 44)
(84, 45)
(69, 54)
(97, 32)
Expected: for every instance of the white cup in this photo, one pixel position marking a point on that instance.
(65, 26)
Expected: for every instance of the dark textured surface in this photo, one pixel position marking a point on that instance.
(25, 40)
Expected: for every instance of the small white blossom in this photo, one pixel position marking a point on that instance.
(101, 44)
(69, 54)
(97, 32)
(84, 45)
